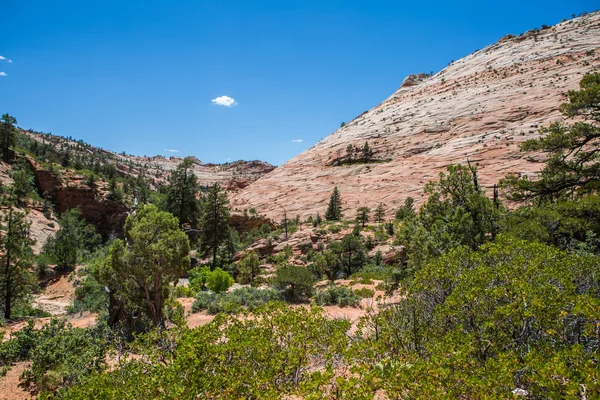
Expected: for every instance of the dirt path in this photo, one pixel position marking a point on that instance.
(9, 384)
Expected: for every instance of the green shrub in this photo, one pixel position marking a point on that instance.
(60, 354)
(247, 297)
(219, 281)
(335, 228)
(365, 293)
(337, 296)
(295, 282)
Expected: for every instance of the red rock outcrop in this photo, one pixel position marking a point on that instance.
(479, 108)
(69, 191)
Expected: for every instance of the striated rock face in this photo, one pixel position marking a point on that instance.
(479, 108)
(69, 191)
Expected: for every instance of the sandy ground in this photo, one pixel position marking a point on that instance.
(9, 384)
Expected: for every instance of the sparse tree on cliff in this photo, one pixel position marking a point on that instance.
(334, 209)
(362, 215)
(380, 212)
(367, 153)
(214, 221)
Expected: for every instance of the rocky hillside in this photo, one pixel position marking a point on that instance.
(233, 175)
(479, 108)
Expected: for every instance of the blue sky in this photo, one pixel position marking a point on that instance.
(140, 76)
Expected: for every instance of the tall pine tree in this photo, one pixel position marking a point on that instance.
(182, 194)
(214, 221)
(334, 209)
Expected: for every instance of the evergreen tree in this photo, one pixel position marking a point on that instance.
(214, 221)
(182, 193)
(15, 262)
(142, 189)
(573, 163)
(138, 272)
(334, 209)
(249, 268)
(8, 134)
(349, 153)
(362, 215)
(367, 153)
(380, 212)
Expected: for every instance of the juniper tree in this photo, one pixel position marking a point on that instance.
(138, 271)
(334, 209)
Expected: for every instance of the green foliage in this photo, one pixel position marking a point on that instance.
(214, 221)
(379, 213)
(197, 277)
(182, 192)
(275, 353)
(249, 269)
(296, 283)
(139, 271)
(218, 280)
(362, 215)
(60, 355)
(8, 134)
(74, 241)
(334, 209)
(407, 210)
(572, 166)
(327, 263)
(90, 295)
(337, 296)
(16, 279)
(513, 313)
(232, 302)
(456, 213)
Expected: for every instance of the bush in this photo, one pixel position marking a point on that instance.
(337, 296)
(219, 281)
(233, 301)
(365, 293)
(295, 282)
(335, 229)
(60, 354)
(201, 278)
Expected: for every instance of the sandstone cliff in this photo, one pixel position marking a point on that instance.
(478, 108)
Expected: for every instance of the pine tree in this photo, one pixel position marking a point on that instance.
(334, 209)
(367, 153)
(380, 212)
(182, 192)
(8, 134)
(214, 221)
(362, 215)
(15, 262)
(573, 150)
(349, 153)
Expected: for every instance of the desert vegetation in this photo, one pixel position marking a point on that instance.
(473, 298)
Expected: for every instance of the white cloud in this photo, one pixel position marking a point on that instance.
(296, 140)
(2, 58)
(228, 159)
(224, 101)
(3, 74)
(9, 61)
(172, 150)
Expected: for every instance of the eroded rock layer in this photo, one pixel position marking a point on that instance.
(479, 108)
